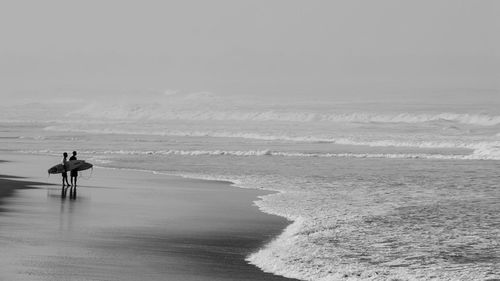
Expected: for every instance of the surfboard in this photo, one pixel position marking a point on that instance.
(72, 165)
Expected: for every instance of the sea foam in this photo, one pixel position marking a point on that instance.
(481, 149)
(258, 153)
(322, 240)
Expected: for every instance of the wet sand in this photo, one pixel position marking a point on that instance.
(127, 225)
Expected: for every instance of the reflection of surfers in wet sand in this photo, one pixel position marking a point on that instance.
(72, 192)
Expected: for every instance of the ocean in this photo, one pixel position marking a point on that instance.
(373, 191)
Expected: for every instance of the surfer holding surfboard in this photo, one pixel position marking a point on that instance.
(72, 165)
(65, 171)
(74, 172)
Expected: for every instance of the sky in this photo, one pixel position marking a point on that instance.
(273, 48)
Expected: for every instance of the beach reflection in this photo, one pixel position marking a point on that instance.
(65, 192)
(64, 204)
(72, 192)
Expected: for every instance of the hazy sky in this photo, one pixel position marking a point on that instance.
(277, 48)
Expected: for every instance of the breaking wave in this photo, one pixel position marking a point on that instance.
(476, 155)
(481, 149)
(158, 111)
(327, 233)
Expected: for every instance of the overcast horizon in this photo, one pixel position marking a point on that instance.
(318, 49)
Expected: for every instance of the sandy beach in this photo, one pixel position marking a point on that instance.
(126, 225)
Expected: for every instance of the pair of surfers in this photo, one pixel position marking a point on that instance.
(73, 174)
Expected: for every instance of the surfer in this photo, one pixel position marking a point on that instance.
(73, 173)
(65, 173)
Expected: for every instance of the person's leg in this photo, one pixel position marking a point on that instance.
(65, 179)
(74, 175)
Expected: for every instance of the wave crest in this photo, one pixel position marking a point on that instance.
(219, 112)
(479, 154)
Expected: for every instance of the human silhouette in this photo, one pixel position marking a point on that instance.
(73, 173)
(65, 172)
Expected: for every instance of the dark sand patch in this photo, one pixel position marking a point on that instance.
(8, 184)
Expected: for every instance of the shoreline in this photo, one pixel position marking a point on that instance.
(171, 226)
